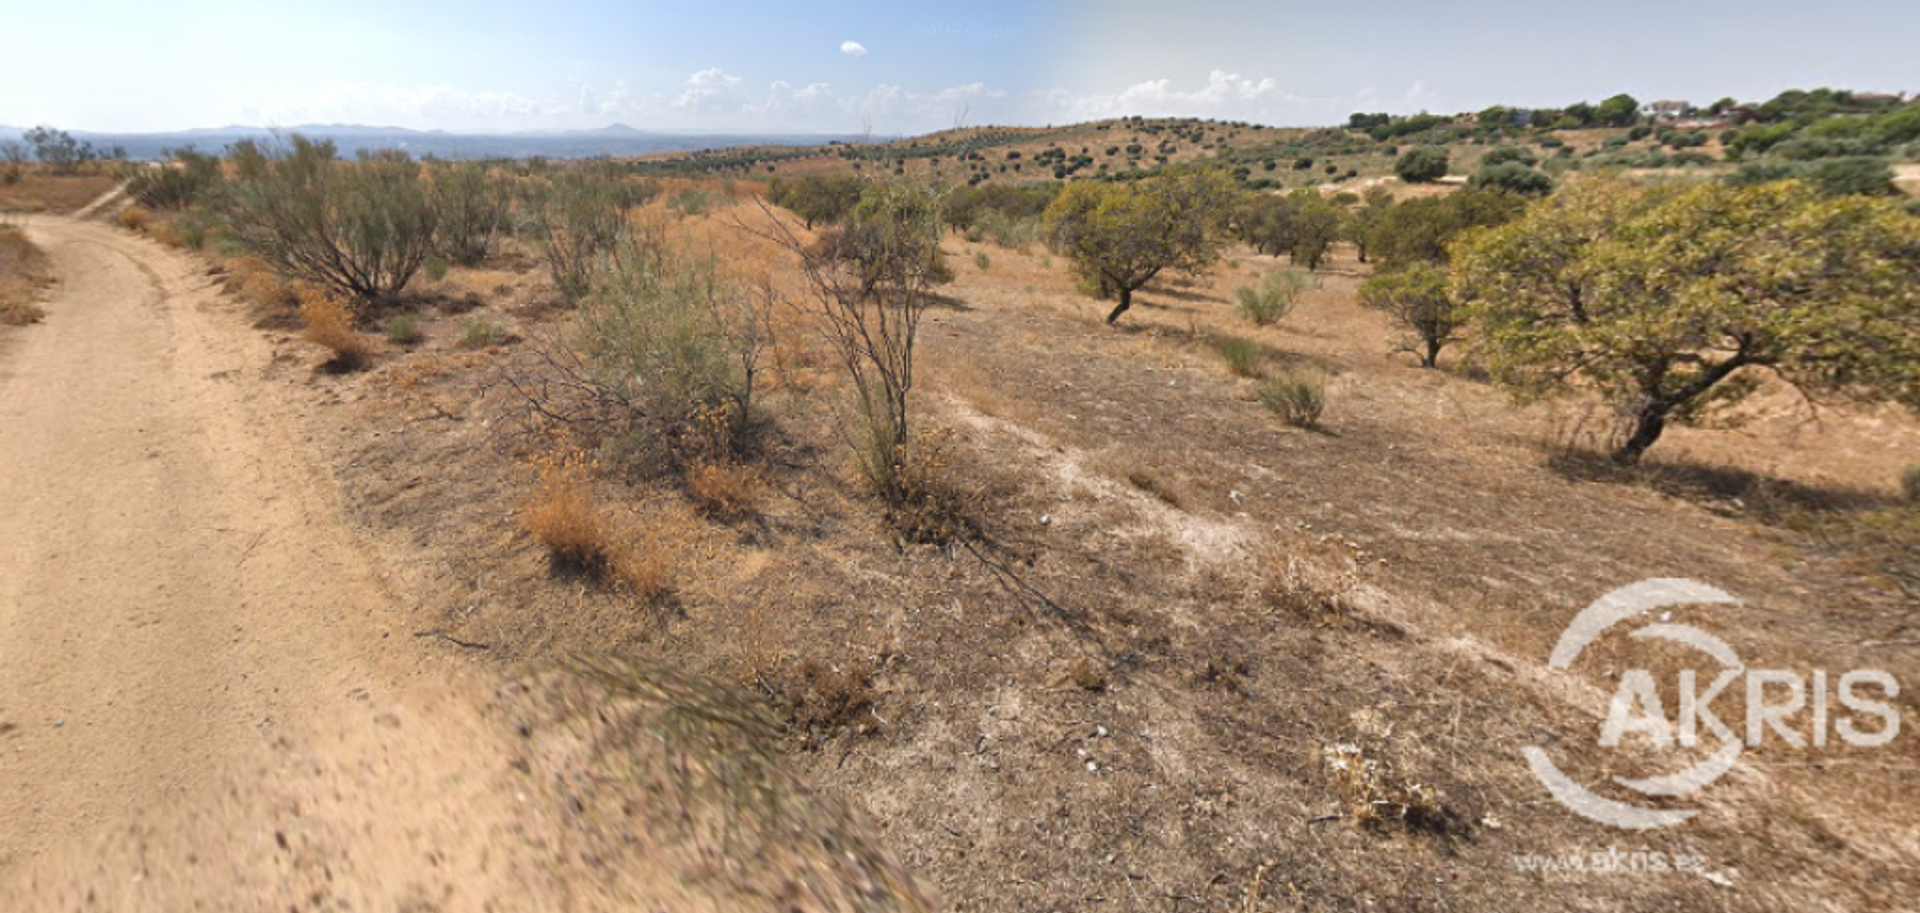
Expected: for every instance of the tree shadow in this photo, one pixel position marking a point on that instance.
(1725, 490)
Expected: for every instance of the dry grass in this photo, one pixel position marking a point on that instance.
(38, 191)
(723, 489)
(564, 514)
(645, 562)
(24, 273)
(135, 218)
(256, 282)
(329, 323)
(1376, 788)
(820, 700)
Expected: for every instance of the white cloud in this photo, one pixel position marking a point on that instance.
(853, 48)
(785, 101)
(711, 89)
(1226, 95)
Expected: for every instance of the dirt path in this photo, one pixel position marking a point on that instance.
(212, 698)
(207, 698)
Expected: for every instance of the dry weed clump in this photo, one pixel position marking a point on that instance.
(329, 323)
(724, 490)
(645, 562)
(1314, 584)
(564, 515)
(937, 505)
(260, 284)
(820, 700)
(135, 218)
(1376, 781)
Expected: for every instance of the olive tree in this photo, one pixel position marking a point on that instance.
(1421, 166)
(1417, 300)
(1121, 236)
(1669, 301)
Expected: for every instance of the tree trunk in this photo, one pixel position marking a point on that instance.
(1432, 358)
(1126, 301)
(1652, 419)
(1647, 428)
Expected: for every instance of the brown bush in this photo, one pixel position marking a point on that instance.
(723, 489)
(329, 324)
(564, 515)
(645, 564)
(135, 218)
(820, 700)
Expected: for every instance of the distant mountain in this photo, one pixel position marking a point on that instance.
(611, 140)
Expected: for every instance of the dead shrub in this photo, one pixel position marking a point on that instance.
(819, 700)
(645, 563)
(936, 505)
(135, 218)
(724, 490)
(564, 515)
(258, 283)
(683, 772)
(329, 323)
(1375, 779)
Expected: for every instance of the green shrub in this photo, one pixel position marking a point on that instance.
(1274, 298)
(982, 260)
(1910, 483)
(1242, 355)
(1513, 177)
(1423, 165)
(574, 220)
(480, 334)
(673, 344)
(472, 206)
(403, 329)
(1012, 233)
(1848, 176)
(435, 268)
(360, 228)
(696, 202)
(1298, 399)
(185, 181)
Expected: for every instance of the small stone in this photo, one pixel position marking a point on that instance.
(1092, 768)
(1046, 519)
(60, 723)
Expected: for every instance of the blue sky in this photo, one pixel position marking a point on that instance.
(908, 67)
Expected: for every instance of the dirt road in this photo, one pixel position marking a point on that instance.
(210, 696)
(180, 616)
(207, 698)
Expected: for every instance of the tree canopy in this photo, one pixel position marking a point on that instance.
(1121, 236)
(1669, 301)
(1421, 166)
